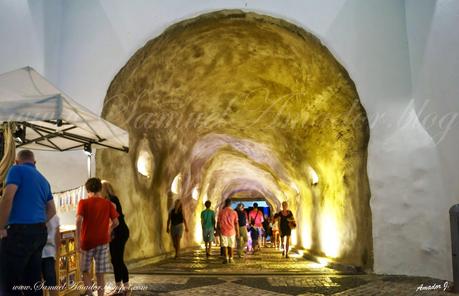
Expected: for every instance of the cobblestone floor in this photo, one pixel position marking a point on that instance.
(268, 261)
(312, 285)
(267, 273)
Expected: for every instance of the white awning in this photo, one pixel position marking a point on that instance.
(50, 119)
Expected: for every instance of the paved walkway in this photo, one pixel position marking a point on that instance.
(267, 273)
(314, 285)
(267, 261)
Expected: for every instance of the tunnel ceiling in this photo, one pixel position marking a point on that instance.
(233, 100)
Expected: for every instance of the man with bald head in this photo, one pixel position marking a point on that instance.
(27, 204)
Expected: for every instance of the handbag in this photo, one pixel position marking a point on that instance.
(292, 223)
(252, 220)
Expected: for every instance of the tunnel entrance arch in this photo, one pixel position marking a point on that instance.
(277, 109)
(248, 198)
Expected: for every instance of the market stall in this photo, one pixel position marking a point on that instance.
(36, 115)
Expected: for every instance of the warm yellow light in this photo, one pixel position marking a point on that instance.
(195, 193)
(198, 233)
(145, 164)
(329, 235)
(298, 254)
(306, 236)
(313, 175)
(198, 228)
(295, 187)
(205, 198)
(293, 238)
(323, 260)
(316, 265)
(176, 184)
(204, 195)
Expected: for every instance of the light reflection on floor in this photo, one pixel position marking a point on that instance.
(267, 260)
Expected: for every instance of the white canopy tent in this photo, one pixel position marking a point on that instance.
(47, 119)
(42, 117)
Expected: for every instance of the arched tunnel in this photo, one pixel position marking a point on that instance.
(234, 101)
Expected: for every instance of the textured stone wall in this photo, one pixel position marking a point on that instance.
(240, 101)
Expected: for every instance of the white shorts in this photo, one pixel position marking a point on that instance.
(228, 241)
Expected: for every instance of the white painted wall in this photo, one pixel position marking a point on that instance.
(21, 37)
(394, 53)
(434, 61)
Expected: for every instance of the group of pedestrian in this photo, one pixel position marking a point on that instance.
(227, 225)
(101, 229)
(234, 226)
(30, 237)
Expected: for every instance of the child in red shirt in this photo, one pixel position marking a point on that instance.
(93, 233)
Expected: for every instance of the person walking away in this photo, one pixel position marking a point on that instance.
(120, 236)
(208, 226)
(27, 204)
(254, 236)
(287, 222)
(93, 233)
(50, 251)
(229, 227)
(266, 229)
(256, 215)
(242, 239)
(175, 224)
(275, 231)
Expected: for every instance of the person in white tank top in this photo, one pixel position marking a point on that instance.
(48, 258)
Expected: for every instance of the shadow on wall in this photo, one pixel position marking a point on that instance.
(275, 114)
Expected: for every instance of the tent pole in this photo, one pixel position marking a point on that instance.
(2, 144)
(2, 153)
(89, 166)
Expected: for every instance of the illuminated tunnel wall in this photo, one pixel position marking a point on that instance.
(234, 101)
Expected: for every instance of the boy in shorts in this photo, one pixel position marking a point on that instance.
(93, 233)
(208, 226)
